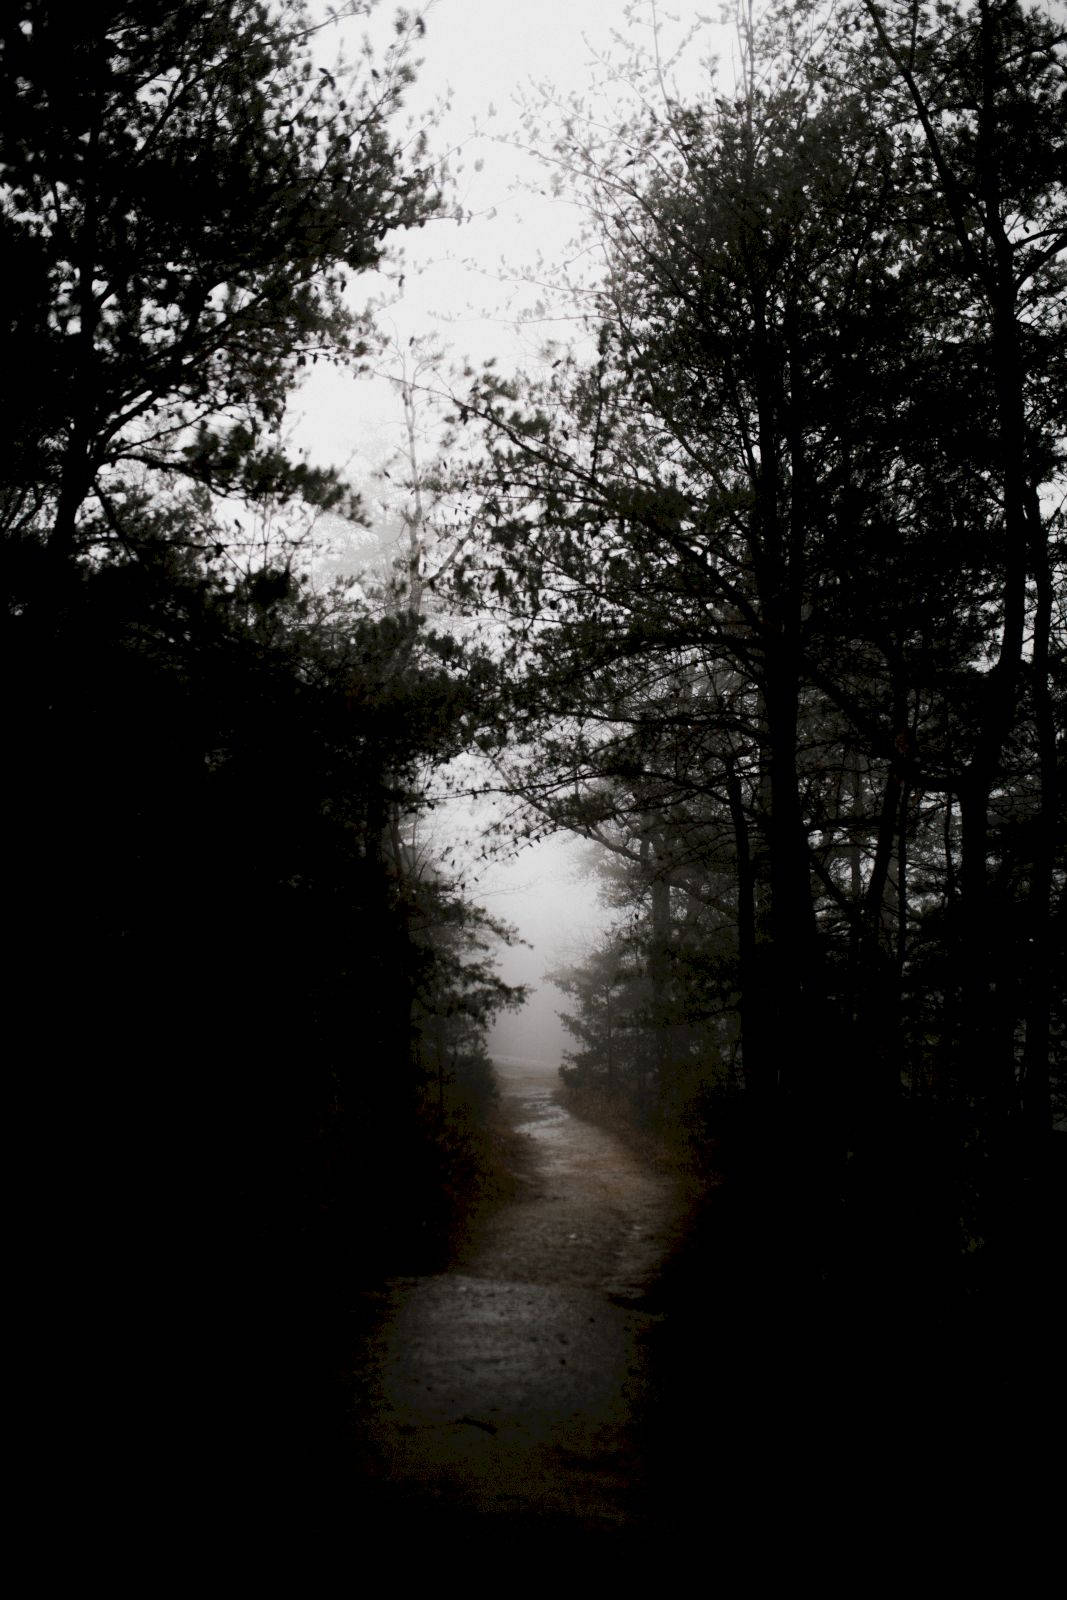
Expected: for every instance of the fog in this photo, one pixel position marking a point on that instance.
(548, 891)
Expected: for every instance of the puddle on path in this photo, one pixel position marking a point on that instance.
(509, 1384)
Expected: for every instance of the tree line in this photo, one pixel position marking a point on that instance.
(780, 571)
(248, 1009)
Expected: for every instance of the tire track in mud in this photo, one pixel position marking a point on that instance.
(510, 1385)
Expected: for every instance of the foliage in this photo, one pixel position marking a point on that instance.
(184, 196)
(220, 952)
(781, 566)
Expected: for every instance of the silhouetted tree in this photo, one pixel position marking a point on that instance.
(768, 560)
(185, 194)
(219, 958)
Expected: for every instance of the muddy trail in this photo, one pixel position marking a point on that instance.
(506, 1393)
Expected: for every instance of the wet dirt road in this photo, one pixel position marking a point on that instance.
(509, 1385)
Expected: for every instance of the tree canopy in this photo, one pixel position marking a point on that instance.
(185, 198)
(781, 564)
(225, 962)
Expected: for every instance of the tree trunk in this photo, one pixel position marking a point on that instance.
(659, 969)
(753, 1058)
(1037, 1103)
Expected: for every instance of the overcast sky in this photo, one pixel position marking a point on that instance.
(480, 61)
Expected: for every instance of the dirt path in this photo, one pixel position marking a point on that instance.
(508, 1385)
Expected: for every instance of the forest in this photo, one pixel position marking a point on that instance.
(780, 573)
(760, 590)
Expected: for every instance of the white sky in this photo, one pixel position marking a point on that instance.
(480, 59)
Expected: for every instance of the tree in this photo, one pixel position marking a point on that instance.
(606, 989)
(654, 1005)
(679, 526)
(218, 962)
(183, 198)
(982, 95)
(755, 556)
